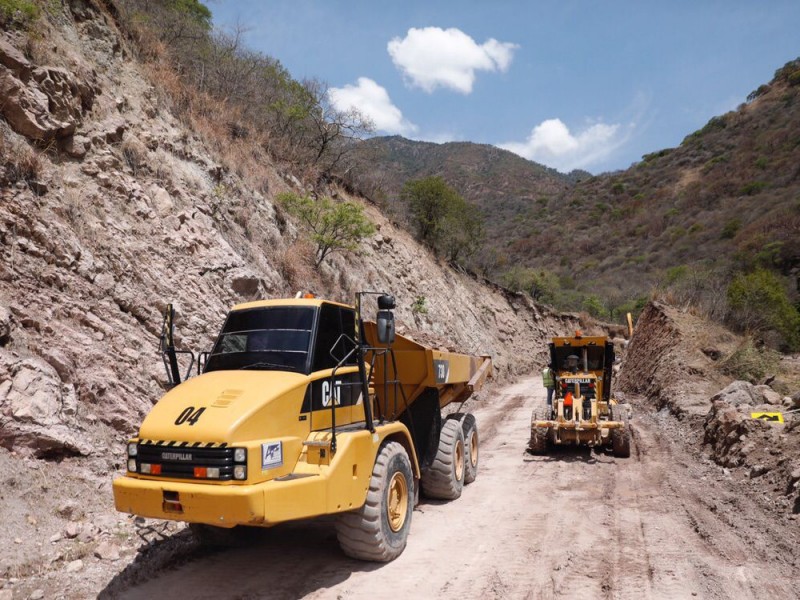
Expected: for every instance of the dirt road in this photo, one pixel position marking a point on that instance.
(574, 524)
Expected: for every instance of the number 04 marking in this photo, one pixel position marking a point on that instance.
(189, 415)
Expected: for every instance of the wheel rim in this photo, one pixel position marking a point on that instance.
(459, 456)
(397, 504)
(473, 448)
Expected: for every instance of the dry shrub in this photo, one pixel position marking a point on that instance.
(20, 162)
(296, 265)
(751, 363)
(135, 154)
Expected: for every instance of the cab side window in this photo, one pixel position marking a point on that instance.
(333, 322)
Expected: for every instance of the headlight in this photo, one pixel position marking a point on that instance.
(240, 455)
(133, 448)
(240, 472)
(132, 465)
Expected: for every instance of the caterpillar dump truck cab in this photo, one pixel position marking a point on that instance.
(584, 410)
(302, 409)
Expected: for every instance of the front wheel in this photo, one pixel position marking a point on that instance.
(538, 442)
(379, 529)
(621, 438)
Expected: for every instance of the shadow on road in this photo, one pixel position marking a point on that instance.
(286, 561)
(569, 454)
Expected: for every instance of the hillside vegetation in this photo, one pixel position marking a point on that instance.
(684, 222)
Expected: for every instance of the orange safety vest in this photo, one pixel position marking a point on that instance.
(568, 399)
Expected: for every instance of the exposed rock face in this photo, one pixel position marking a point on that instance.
(667, 362)
(744, 393)
(37, 410)
(136, 212)
(734, 439)
(44, 102)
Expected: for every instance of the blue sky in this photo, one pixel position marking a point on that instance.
(592, 85)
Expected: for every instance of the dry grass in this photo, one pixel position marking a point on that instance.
(296, 265)
(20, 161)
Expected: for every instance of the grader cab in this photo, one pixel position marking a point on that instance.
(584, 412)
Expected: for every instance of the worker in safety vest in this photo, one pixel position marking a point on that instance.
(549, 381)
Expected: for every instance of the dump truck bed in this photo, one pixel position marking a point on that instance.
(415, 368)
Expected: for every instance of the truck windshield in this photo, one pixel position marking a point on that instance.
(271, 338)
(595, 357)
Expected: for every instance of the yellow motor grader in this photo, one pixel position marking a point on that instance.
(583, 411)
(303, 409)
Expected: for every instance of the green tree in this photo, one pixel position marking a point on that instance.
(758, 302)
(429, 200)
(442, 218)
(594, 306)
(333, 225)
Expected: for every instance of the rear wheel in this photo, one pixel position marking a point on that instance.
(469, 427)
(538, 441)
(444, 479)
(378, 531)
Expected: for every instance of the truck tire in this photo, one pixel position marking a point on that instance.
(538, 442)
(379, 529)
(469, 426)
(621, 438)
(444, 479)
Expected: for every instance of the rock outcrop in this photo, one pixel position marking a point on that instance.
(130, 210)
(41, 103)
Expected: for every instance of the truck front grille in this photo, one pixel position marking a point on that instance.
(179, 460)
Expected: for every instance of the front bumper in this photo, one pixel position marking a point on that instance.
(263, 504)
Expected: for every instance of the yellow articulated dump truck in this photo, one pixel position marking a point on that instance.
(584, 412)
(303, 409)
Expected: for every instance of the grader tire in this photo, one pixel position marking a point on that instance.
(538, 441)
(444, 479)
(621, 438)
(378, 531)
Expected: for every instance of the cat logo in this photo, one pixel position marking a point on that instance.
(772, 417)
(327, 393)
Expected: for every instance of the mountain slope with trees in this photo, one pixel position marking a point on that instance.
(688, 220)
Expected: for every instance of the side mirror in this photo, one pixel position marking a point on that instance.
(386, 327)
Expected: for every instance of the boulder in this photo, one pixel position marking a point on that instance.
(14, 59)
(37, 409)
(738, 393)
(47, 104)
(768, 395)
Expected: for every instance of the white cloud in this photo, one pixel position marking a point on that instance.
(373, 101)
(551, 143)
(432, 57)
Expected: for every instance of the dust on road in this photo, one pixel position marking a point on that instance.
(573, 524)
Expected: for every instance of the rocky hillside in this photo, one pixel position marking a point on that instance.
(692, 369)
(726, 199)
(113, 207)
